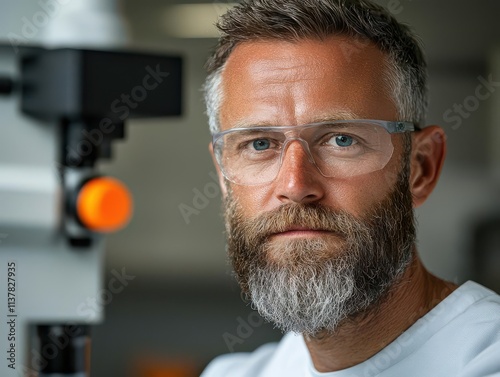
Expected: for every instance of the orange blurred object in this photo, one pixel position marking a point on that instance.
(150, 367)
(104, 204)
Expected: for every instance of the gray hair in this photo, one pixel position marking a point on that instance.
(317, 19)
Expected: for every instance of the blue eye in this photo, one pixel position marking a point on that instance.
(261, 144)
(344, 141)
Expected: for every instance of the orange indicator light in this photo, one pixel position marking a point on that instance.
(104, 204)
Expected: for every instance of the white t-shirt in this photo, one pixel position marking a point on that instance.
(460, 337)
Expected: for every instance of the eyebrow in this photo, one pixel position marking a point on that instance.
(334, 116)
(337, 115)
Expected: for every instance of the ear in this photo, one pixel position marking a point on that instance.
(222, 182)
(427, 159)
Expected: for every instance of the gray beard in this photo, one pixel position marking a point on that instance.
(311, 286)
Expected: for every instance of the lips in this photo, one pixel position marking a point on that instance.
(301, 231)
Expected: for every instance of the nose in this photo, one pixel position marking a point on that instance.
(298, 180)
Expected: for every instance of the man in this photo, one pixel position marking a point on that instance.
(317, 113)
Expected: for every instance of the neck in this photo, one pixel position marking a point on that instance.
(359, 338)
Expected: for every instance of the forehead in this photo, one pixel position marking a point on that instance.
(287, 83)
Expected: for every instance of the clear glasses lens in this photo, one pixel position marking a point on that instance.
(253, 156)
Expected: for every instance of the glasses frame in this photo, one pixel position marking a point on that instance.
(392, 127)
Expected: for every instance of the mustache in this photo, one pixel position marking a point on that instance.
(310, 216)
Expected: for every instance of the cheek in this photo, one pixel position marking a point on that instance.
(356, 195)
(252, 199)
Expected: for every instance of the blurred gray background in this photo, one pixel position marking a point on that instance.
(183, 307)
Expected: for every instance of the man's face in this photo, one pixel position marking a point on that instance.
(310, 250)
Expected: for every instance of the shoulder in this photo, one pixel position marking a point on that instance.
(240, 364)
(473, 311)
(477, 304)
(478, 329)
(266, 360)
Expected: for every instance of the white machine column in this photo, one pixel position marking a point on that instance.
(60, 110)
